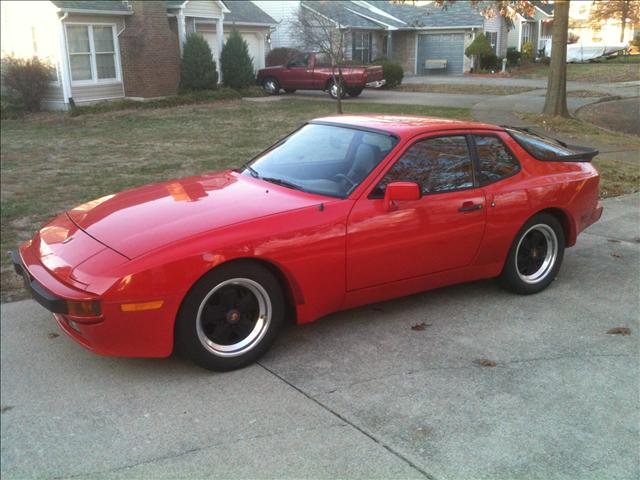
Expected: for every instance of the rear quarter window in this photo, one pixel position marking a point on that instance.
(541, 148)
(495, 160)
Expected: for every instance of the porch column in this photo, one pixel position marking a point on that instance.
(520, 36)
(389, 45)
(64, 62)
(539, 36)
(220, 39)
(182, 30)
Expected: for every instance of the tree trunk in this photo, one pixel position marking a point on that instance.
(623, 19)
(338, 83)
(555, 104)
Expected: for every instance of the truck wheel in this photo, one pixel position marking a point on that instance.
(354, 92)
(271, 86)
(333, 90)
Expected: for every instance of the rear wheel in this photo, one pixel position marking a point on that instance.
(354, 92)
(535, 256)
(271, 86)
(230, 317)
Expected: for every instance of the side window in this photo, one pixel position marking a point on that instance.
(495, 160)
(300, 61)
(439, 164)
(322, 60)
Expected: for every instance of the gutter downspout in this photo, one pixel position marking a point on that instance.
(64, 60)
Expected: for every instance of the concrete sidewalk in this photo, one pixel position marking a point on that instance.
(358, 394)
(622, 89)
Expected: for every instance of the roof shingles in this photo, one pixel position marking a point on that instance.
(357, 15)
(93, 5)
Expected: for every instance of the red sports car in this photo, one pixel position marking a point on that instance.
(343, 212)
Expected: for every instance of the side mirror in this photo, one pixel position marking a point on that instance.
(397, 191)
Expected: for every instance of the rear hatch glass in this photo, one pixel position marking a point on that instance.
(550, 149)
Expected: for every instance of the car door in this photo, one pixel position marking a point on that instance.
(298, 73)
(440, 231)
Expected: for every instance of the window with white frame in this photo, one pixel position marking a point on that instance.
(361, 50)
(526, 32)
(493, 40)
(92, 52)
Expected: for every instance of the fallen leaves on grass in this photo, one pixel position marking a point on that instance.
(5, 408)
(619, 331)
(420, 326)
(616, 255)
(485, 362)
(53, 335)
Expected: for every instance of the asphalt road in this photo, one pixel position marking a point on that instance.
(359, 394)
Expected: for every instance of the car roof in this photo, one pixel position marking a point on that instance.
(403, 125)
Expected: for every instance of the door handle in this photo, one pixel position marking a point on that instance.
(469, 207)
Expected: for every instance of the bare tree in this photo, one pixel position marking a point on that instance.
(322, 31)
(627, 11)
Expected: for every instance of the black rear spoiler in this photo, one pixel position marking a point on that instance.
(581, 153)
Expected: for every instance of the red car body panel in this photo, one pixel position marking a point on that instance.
(154, 242)
(313, 77)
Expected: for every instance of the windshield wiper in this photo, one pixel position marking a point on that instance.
(284, 183)
(252, 171)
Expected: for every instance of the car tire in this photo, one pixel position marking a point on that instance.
(333, 90)
(230, 317)
(354, 92)
(535, 256)
(271, 86)
(289, 90)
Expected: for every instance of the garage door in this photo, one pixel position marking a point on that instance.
(441, 46)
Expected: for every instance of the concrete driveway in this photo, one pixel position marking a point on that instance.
(359, 394)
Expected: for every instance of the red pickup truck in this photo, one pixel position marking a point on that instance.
(313, 71)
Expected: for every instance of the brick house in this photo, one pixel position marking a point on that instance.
(109, 49)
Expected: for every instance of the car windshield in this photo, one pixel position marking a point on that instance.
(324, 159)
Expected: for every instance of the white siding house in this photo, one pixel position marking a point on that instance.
(283, 12)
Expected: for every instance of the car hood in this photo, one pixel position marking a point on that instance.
(136, 221)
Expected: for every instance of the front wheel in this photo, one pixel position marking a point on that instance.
(230, 316)
(535, 256)
(333, 90)
(271, 86)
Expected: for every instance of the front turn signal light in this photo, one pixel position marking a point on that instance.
(88, 308)
(139, 307)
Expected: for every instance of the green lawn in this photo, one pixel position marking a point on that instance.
(50, 162)
(603, 72)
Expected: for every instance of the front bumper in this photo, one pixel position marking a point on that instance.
(377, 84)
(48, 300)
(113, 333)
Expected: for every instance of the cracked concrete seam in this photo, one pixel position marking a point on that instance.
(192, 450)
(360, 429)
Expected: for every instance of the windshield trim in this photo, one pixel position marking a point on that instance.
(354, 127)
(247, 165)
